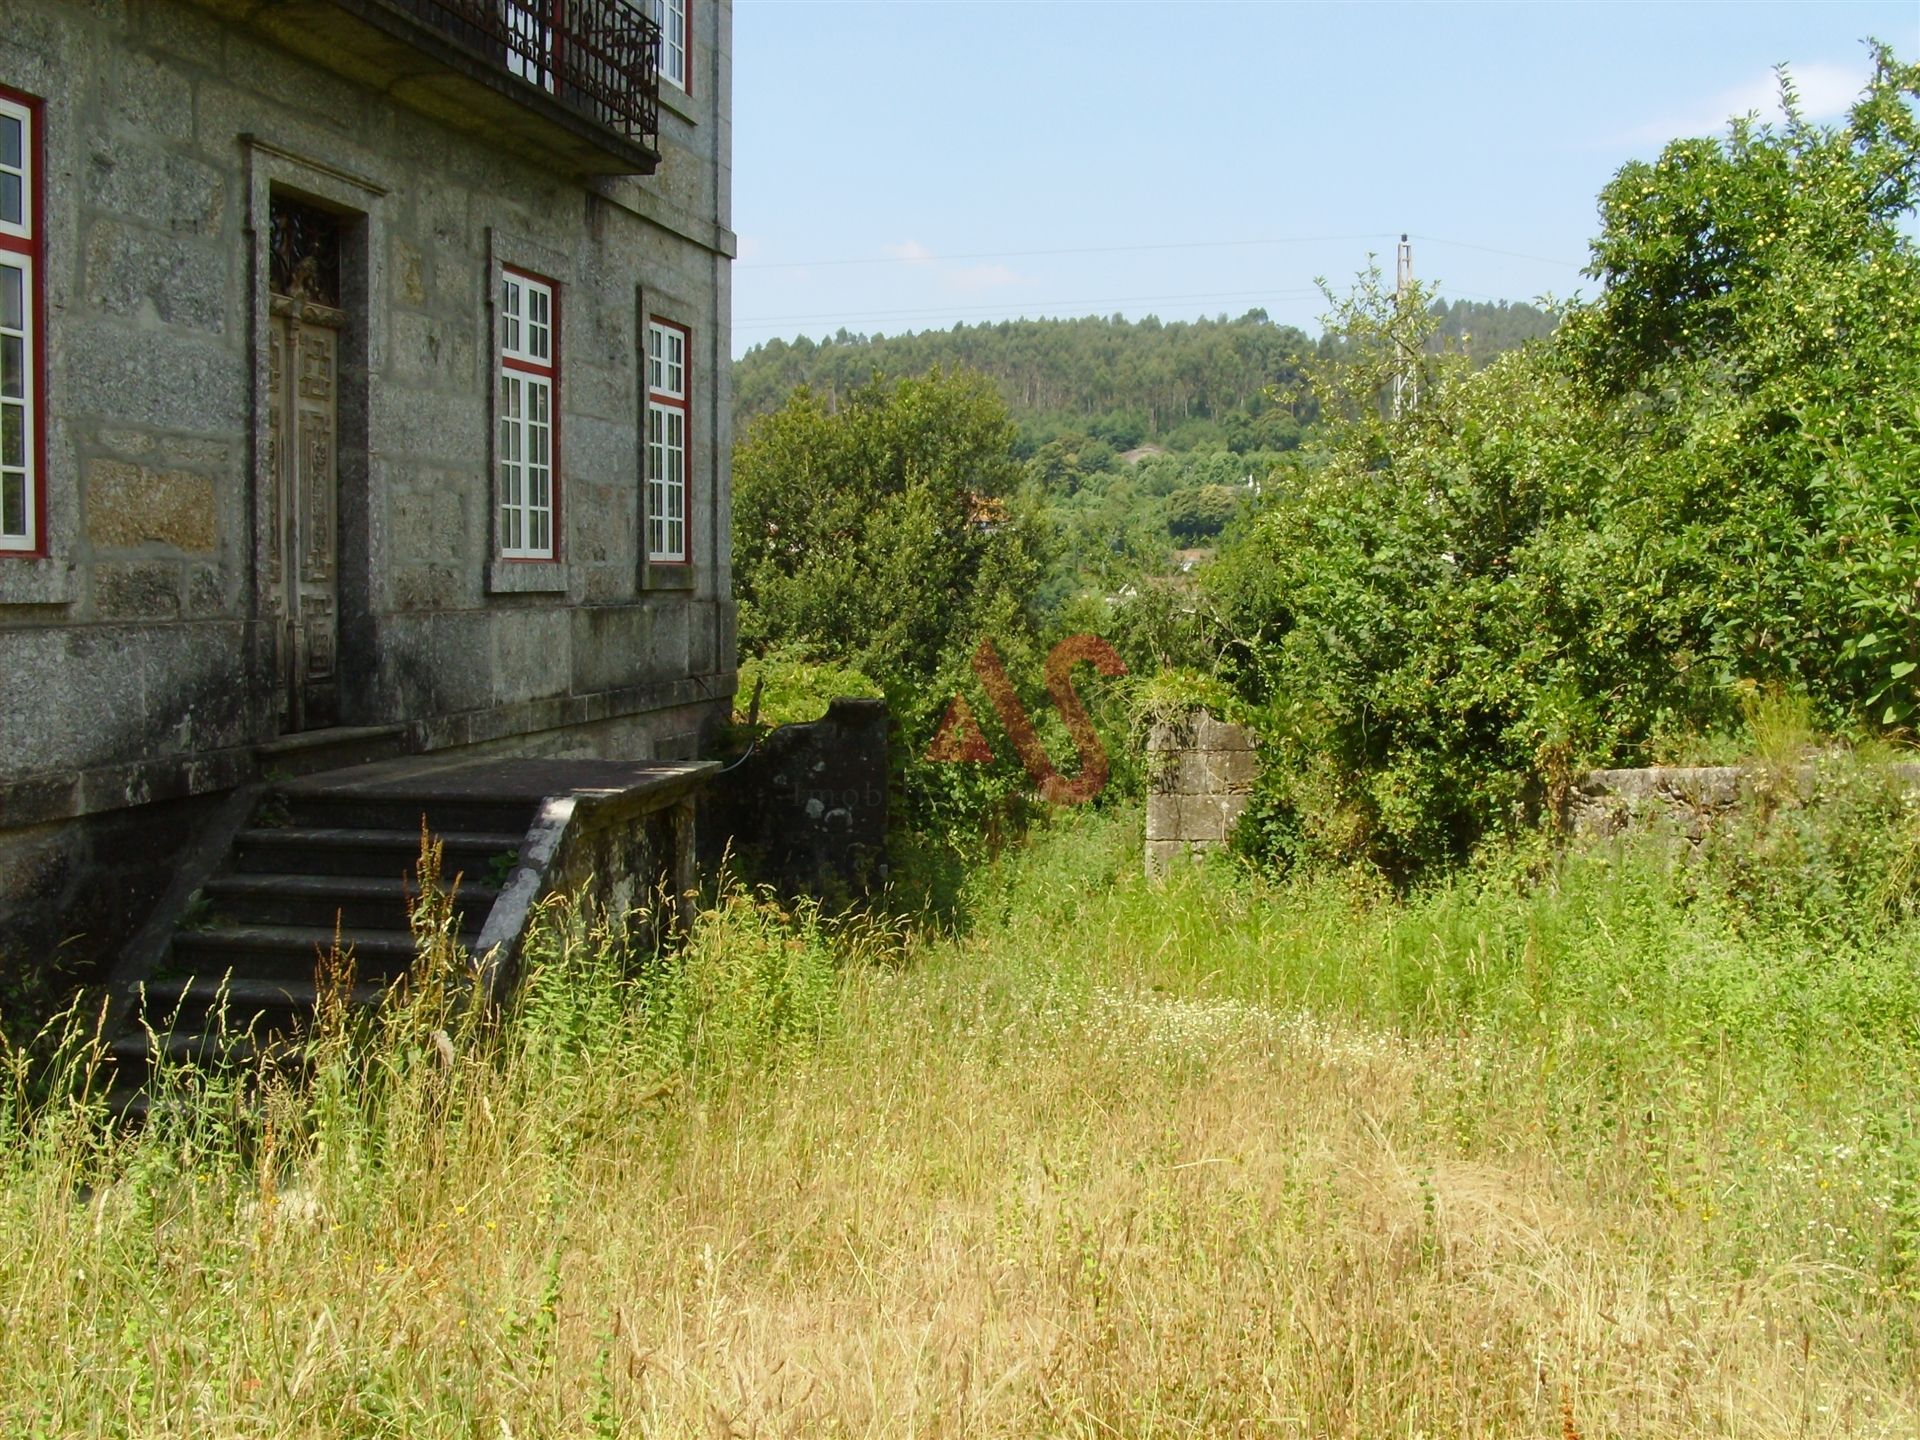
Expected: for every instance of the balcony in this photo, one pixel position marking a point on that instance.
(572, 82)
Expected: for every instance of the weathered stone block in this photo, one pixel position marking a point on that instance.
(1227, 772)
(1212, 734)
(429, 348)
(154, 377)
(598, 451)
(149, 98)
(136, 590)
(1181, 772)
(429, 526)
(409, 274)
(158, 188)
(728, 619)
(606, 584)
(1163, 817)
(210, 592)
(1168, 736)
(1203, 817)
(610, 646)
(135, 272)
(185, 31)
(284, 81)
(458, 653)
(424, 587)
(530, 658)
(129, 442)
(131, 505)
(667, 650)
(36, 703)
(702, 635)
(433, 424)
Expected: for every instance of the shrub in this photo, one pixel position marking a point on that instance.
(1707, 480)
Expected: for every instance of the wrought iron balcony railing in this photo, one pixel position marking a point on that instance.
(599, 58)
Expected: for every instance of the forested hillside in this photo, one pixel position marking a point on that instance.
(1182, 384)
(1485, 329)
(1122, 381)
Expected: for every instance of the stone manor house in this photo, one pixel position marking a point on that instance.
(363, 392)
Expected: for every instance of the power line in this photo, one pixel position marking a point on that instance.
(1064, 250)
(1095, 302)
(1491, 250)
(1131, 249)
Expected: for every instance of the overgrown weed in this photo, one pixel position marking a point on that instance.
(1573, 1144)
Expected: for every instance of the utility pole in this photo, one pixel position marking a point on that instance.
(1403, 370)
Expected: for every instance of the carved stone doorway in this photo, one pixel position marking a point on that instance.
(304, 332)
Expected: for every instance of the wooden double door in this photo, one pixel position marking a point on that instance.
(303, 464)
(305, 328)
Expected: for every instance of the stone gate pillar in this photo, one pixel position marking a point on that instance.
(1199, 774)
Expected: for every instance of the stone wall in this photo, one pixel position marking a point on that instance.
(806, 810)
(1199, 773)
(1691, 797)
(138, 650)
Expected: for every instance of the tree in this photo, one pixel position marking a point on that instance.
(857, 530)
(1706, 480)
(1200, 513)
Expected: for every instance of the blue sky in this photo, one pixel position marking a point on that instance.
(905, 165)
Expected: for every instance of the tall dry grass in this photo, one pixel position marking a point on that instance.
(1226, 1158)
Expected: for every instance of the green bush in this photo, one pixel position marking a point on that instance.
(1707, 479)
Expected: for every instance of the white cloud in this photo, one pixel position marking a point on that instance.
(1826, 89)
(751, 248)
(973, 279)
(911, 251)
(955, 279)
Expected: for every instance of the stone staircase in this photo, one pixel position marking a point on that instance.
(240, 972)
(226, 972)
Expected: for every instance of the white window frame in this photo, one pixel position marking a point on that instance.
(20, 464)
(676, 40)
(527, 455)
(669, 428)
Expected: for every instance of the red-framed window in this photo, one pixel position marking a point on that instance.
(675, 19)
(528, 447)
(669, 415)
(23, 451)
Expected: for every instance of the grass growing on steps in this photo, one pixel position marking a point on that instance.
(1222, 1158)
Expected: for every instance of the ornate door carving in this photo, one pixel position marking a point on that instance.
(303, 467)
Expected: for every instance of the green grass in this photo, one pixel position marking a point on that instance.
(1622, 1144)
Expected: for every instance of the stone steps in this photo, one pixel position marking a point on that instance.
(356, 902)
(306, 850)
(321, 861)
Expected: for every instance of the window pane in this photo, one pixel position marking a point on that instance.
(13, 368)
(13, 504)
(13, 298)
(11, 211)
(12, 141)
(509, 315)
(13, 435)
